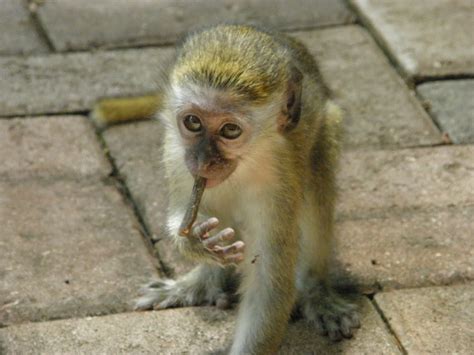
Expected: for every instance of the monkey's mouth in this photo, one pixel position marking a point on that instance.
(213, 182)
(214, 176)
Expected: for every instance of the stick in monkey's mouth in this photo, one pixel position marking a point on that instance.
(193, 206)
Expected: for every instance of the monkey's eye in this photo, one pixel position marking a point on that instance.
(192, 123)
(230, 131)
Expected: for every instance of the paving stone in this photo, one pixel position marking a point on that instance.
(177, 331)
(379, 115)
(61, 83)
(425, 248)
(18, 34)
(429, 38)
(59, 146)
(451, 103)
(381, 110)
(375, 183)
(68, 250)
(119, 23)
(434, 320)
(372, 183)
(136, 149)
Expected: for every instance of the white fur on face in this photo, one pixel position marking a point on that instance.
(204, 97)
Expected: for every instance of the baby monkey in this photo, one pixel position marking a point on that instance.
(246, 112)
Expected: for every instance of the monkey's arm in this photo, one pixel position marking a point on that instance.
(269, 280)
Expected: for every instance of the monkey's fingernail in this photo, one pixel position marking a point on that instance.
(239, 245)
(213, 221)
(228, 233)
(234, 258)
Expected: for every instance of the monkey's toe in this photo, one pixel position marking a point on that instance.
(152, 294)
(166, 293)
(332, 316)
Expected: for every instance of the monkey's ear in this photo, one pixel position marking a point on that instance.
(292, 110)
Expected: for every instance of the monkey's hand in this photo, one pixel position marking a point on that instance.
(214, 247)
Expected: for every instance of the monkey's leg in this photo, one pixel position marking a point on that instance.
(204, 285)
(320, 304)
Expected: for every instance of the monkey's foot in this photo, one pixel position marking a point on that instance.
(331, 314)
(168, 293)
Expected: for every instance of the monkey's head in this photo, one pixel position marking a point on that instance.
(226, 97)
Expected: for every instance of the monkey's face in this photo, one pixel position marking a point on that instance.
(213, 141)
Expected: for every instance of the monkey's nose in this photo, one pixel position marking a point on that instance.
(208, 165)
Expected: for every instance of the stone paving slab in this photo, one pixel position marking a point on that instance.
(59, 146)
(177, 331)
(136, 150)
(429, 38)
(434, 320)
(381, 110)
(374, 183)
(18, 34)
(119, 23)
(383, 184)
(380, 115)
(61, 83)
(68, 250)
(433, 247)
(451, 103)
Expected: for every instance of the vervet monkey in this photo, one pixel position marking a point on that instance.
(246, 109)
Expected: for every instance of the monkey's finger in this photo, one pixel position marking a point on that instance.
(201, 229)
(223, 235)
(237, 247)
(234, 258)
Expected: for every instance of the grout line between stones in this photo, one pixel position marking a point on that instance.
(411, 82)
(162, 44)
(377, 287)
(120, 184)
(362, 21)
(43, 114)
(33, 10)
(388, 326)
(429, 79)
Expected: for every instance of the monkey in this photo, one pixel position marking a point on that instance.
(246, 109)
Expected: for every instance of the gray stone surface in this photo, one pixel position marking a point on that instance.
(136, 150)
(379, 115)
(18, 34)
(428, 38)
(451, 103)
(119, 23)
(389, 185)
(375, 183)
(434, 320)
(60, 146)
(381, 110)
(73, 82)
(428, 247)
(177, 331)
(68, 250)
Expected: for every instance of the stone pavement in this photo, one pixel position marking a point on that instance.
(81, 210)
